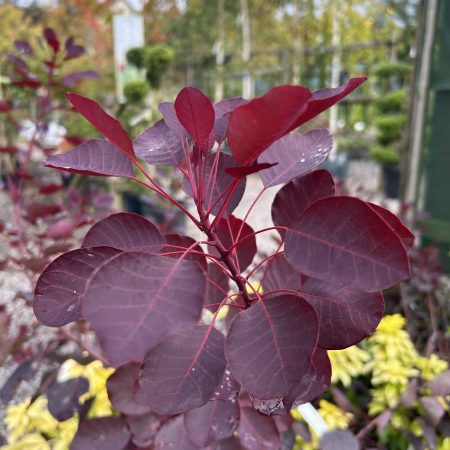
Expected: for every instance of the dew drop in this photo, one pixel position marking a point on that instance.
(74, 292)
(302, 160)
(70, 308)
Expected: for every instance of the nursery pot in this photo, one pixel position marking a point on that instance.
(391, 180)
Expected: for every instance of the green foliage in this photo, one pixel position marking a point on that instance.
(391, 102)
(135, 91)
(387, 70)
(135, 57)
(354, 144)
(384, 155)
(389, 128)
(157, 60)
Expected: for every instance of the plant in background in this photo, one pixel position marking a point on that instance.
(143, 293)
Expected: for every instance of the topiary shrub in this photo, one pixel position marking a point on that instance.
(156, 62)
(135, 90)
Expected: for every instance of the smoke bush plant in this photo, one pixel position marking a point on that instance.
(180, 381)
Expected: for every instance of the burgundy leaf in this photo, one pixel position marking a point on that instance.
(51, 188)
(10, 149)
(178, 243)
(93, 157)
(105, 433)
(169, 114)
(32, 83)
(144, 428)
(122, 388)
(217, 287)
(217, 185)
(103, 122)
(228, 105)
(173, 435)
(196, 113)
(137, 299)
(298, 195)
(51, 38)
(395, 223)
(5, 107)
(296, 154)
(63, 398)
(279, 274)
(339, 439)
(346, 316)
(256, 125)
(269, 345)
(125, 231)
(227, 231)
(73, 50)
(327, 97)
(257, 432)
(217, 419)
(38, 210)
(344, 241)
(74, 78)
(61, 287)
(183, 371)
(248, 170)
(61, 229)
(23, 47)
(159, 146)
(221, 128)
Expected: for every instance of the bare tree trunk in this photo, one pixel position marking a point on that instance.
(335, 64)
(247, 82)
(220, 51)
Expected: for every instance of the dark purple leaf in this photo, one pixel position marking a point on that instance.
(279, 274)
(103, 122)
(217, 419)
(395, 223)
(23, 372)
(174, 436)
(269, 345)
(228, 389)
(125, 231)
(227, 231)
(74, 78)
(344, 241)
(257, 432)
(256, 125)
(339, 439)
(196, 113)
(221, 128)
(327, 97)
(169, 114)
(346, 316)
(159, 146)
(61, 287)
(93, 157)
(248, 170)
(122, 388)
(144, 428)
(23, 47)
(433, 410)
(63, 398)
(231, 443)
(296, 154)
(298, 195)
(137, 299)
(52, 40)
(73, 50)
(217, 287)
(21, 67)
(440, 385)
(178, 243)
(105, 433)
(228, 105)
(183, 371)
(38, 210)
(217, 182)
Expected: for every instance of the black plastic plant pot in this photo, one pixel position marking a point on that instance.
(391, 180)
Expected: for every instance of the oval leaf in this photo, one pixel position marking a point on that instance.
(93, 157)
(103, 122)
(196, 113)
(257, 432)
(61, 287)
(134, 302)
(167, 109)
(253, 127)
(298, 195)
(183, 372)
(296, 155)
(178, 244)
(159, 146)
(125, 231)
(269, 345)
(122, 388)
(344, 241)
(217, 419)
(63, 398)
(105, 433)
(173, 435)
